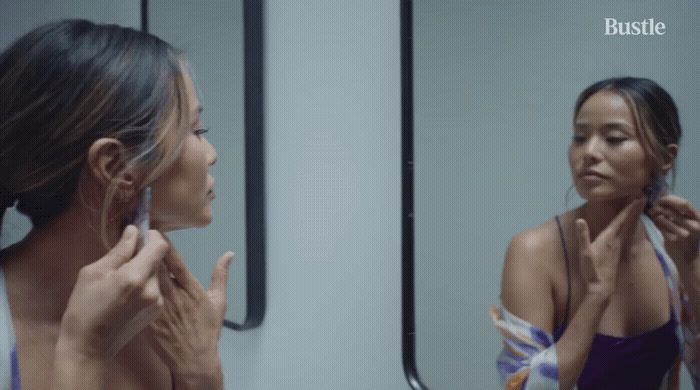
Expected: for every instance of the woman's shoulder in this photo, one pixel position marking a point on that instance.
(536, 243)
(531, 270)
(536, 253)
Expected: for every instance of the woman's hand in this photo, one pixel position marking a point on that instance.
(679, 223)
(114, 298)
(186, 334)
(599, 259)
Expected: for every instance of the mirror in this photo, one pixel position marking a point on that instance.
(488, 96)
(222, 40)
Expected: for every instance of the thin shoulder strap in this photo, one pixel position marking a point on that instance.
(568, 272)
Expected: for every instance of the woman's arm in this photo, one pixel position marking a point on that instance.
(527, 288)
(76, 370)
(526, 292)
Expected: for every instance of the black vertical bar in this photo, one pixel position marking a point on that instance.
(144, 15)
(407, 210)
(254, 168)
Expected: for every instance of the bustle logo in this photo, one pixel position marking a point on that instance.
(643, 27)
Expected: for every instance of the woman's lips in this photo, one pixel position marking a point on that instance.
(589, 174)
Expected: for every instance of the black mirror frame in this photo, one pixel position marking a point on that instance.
(408, 336)
(254, 159)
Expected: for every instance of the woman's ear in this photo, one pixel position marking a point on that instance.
(106, 159)
(673, 151)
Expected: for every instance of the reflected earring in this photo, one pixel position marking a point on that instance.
(655, 190)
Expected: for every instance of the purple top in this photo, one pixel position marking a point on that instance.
(636, 362)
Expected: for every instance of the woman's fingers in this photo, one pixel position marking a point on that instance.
(673, 224)
(679, 205)
(669, 229)
(147, 261)
(123, 251)
(582, 234)
(219, 279)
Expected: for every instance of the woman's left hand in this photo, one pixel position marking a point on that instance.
(679, 223)
(186, 334)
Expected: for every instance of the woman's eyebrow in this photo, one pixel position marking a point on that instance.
(622, 126)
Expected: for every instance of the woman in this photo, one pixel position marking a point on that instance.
(595, 298)
(91, 115)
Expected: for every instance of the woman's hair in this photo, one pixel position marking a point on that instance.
(68, 83)
(654, 112)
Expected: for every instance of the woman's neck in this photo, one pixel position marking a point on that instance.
(41, 270)
(599, 214)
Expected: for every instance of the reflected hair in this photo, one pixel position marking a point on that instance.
(68, 83)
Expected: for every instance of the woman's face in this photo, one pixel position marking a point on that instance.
(606, 156)
(182, 196)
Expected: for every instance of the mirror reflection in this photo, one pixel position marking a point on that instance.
(212, 36)
(530, 146)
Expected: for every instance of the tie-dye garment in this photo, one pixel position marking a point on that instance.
(9, 365)
(528, 360)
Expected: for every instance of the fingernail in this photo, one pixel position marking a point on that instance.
(128, 232)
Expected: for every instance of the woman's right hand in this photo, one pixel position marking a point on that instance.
(599, 260)
(114, 298)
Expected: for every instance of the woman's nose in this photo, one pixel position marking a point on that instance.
(592, 149)
(211, 154)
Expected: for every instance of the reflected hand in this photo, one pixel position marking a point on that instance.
(186, 335)
(679, 223)
(600, 259)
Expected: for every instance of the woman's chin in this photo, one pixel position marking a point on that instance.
(200, 221)
(606, 197)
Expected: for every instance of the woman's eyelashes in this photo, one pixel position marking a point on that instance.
(200, 130)
(616, 140)
(613, 140)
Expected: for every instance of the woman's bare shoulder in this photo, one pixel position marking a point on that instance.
(533, 247)
(529, 270)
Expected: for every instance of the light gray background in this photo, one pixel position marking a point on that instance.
(495, 85)
(333, 190)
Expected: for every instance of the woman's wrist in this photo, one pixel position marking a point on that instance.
(74, 368)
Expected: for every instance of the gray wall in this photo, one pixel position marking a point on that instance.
(495, 85)
(333, 189)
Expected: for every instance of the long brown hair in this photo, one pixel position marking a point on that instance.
(68, 83)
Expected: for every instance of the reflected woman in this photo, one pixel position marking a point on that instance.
(604, 296)
(90, 116)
